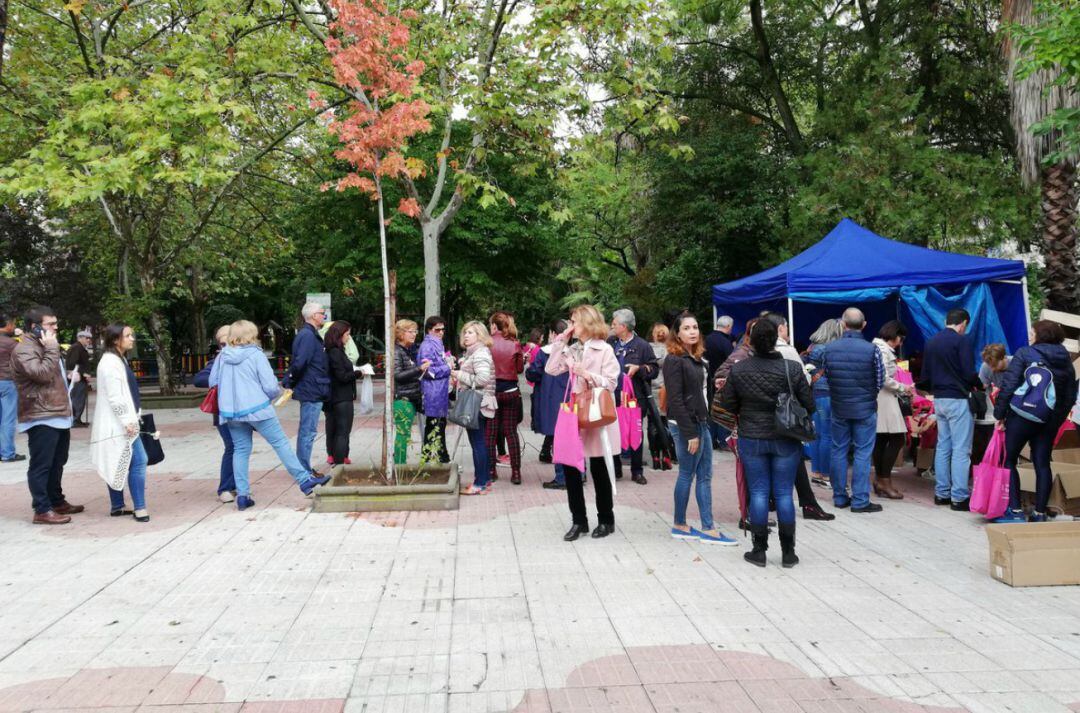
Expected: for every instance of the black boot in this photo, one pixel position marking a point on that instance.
(787, 544)
(760, 535)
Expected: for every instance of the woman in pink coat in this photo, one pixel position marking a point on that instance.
(593, 362)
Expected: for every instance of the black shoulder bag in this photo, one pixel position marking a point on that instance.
(792, 419)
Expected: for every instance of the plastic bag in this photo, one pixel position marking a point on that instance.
(367, 396)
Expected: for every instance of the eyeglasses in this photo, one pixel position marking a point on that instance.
(439, 329)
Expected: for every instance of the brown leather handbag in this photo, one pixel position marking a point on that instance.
(595, 408)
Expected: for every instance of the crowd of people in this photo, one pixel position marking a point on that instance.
(846, 404)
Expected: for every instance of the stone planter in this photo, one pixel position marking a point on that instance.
(340, 496)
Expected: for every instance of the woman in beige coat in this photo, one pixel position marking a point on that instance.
(891, 425)
(477, 371)
(593, 363)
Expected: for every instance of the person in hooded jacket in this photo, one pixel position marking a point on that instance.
(245, 387)
(548, 396)
(1048, 351)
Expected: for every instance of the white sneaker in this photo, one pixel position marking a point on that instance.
(226, 497)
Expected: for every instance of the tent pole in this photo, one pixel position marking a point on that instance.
(791, 320)
(714, 316)
(1027, 305)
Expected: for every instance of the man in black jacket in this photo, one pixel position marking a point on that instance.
(637, 360)
(948, 369)
(78, 357)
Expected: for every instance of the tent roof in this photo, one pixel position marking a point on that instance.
(851, 257)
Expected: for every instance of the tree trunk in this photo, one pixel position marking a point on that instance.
(1059, 199)
(3, 32)
(198, 312)
(432, 294)
(389, 296)
(159, 334)
(772, 80)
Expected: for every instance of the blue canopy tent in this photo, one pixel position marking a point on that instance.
(852, 266)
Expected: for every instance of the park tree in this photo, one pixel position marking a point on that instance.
(514, 72)
(1044, 81)
(153, 116)
(368, 46)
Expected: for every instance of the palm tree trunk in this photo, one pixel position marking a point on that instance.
(1059, 199)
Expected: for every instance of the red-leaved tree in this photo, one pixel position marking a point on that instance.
(367, 44)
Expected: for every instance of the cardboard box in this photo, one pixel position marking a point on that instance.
(1035, 554)
(1065, 490)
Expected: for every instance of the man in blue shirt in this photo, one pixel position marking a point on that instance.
(856, 374)
(948, 370)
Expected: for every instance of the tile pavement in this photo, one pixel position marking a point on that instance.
(277, 609)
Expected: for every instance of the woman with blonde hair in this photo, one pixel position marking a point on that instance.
(476, 371)
(245, 387)
(593, 363)
(226, 482)
(407, 375)
(116, 449)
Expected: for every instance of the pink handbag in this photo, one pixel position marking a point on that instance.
(990, 493)
(567, 448)
(629, 414)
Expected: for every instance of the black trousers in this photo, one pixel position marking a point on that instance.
(575, 493)
(886, 448)
(1018, 433)
(79, 393)
(435, 433)
(48, 456)
(802, 486)
(339, 422)
(549, 443)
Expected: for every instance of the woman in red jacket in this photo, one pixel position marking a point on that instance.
(509, 363)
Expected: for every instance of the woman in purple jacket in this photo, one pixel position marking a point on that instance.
(435, 385)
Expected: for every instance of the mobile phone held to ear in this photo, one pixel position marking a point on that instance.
(37, 331)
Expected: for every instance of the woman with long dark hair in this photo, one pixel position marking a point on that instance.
(339, 406)
(115, 448)
(685, 377)
(770, 458)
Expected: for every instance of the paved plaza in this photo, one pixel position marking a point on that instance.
(279, 609)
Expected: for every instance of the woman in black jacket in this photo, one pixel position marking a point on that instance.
(407, 396)
(770, 459)
(685, 376)
(1049, 352)
(339, 407)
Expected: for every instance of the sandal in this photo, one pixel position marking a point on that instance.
(473, 490)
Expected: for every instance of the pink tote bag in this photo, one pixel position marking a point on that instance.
(567, 448)
(990, 493)
(629, 413)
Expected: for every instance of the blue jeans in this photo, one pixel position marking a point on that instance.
(309, 428)
(270, 429)
(226, 482)
(697, 465)
(770, 465)
(136, 480)
(9, 403)
(821, 447)
(952, 462)
(560, 474)
(478, 441)
(862, 432)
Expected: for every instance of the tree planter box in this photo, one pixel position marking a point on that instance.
(157, 401)
(340, 496)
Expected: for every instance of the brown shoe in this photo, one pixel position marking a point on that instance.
(883, 487)
(66, 508)
(50, 518)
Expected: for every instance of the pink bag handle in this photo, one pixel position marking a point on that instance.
(569, 388)
(995, 449)
(628, 385)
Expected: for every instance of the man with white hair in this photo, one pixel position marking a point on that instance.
(308, 378)
(856, 373)
(78, 358)
(638, 361)
(718, 347)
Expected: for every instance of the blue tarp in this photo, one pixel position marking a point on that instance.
(854, 266)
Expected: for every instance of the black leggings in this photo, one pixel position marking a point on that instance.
(1018, 433)
(575, 493)
(886, 448)
(339, 421)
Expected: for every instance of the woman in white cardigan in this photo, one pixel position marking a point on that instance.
(115, 448)
(891, 424)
